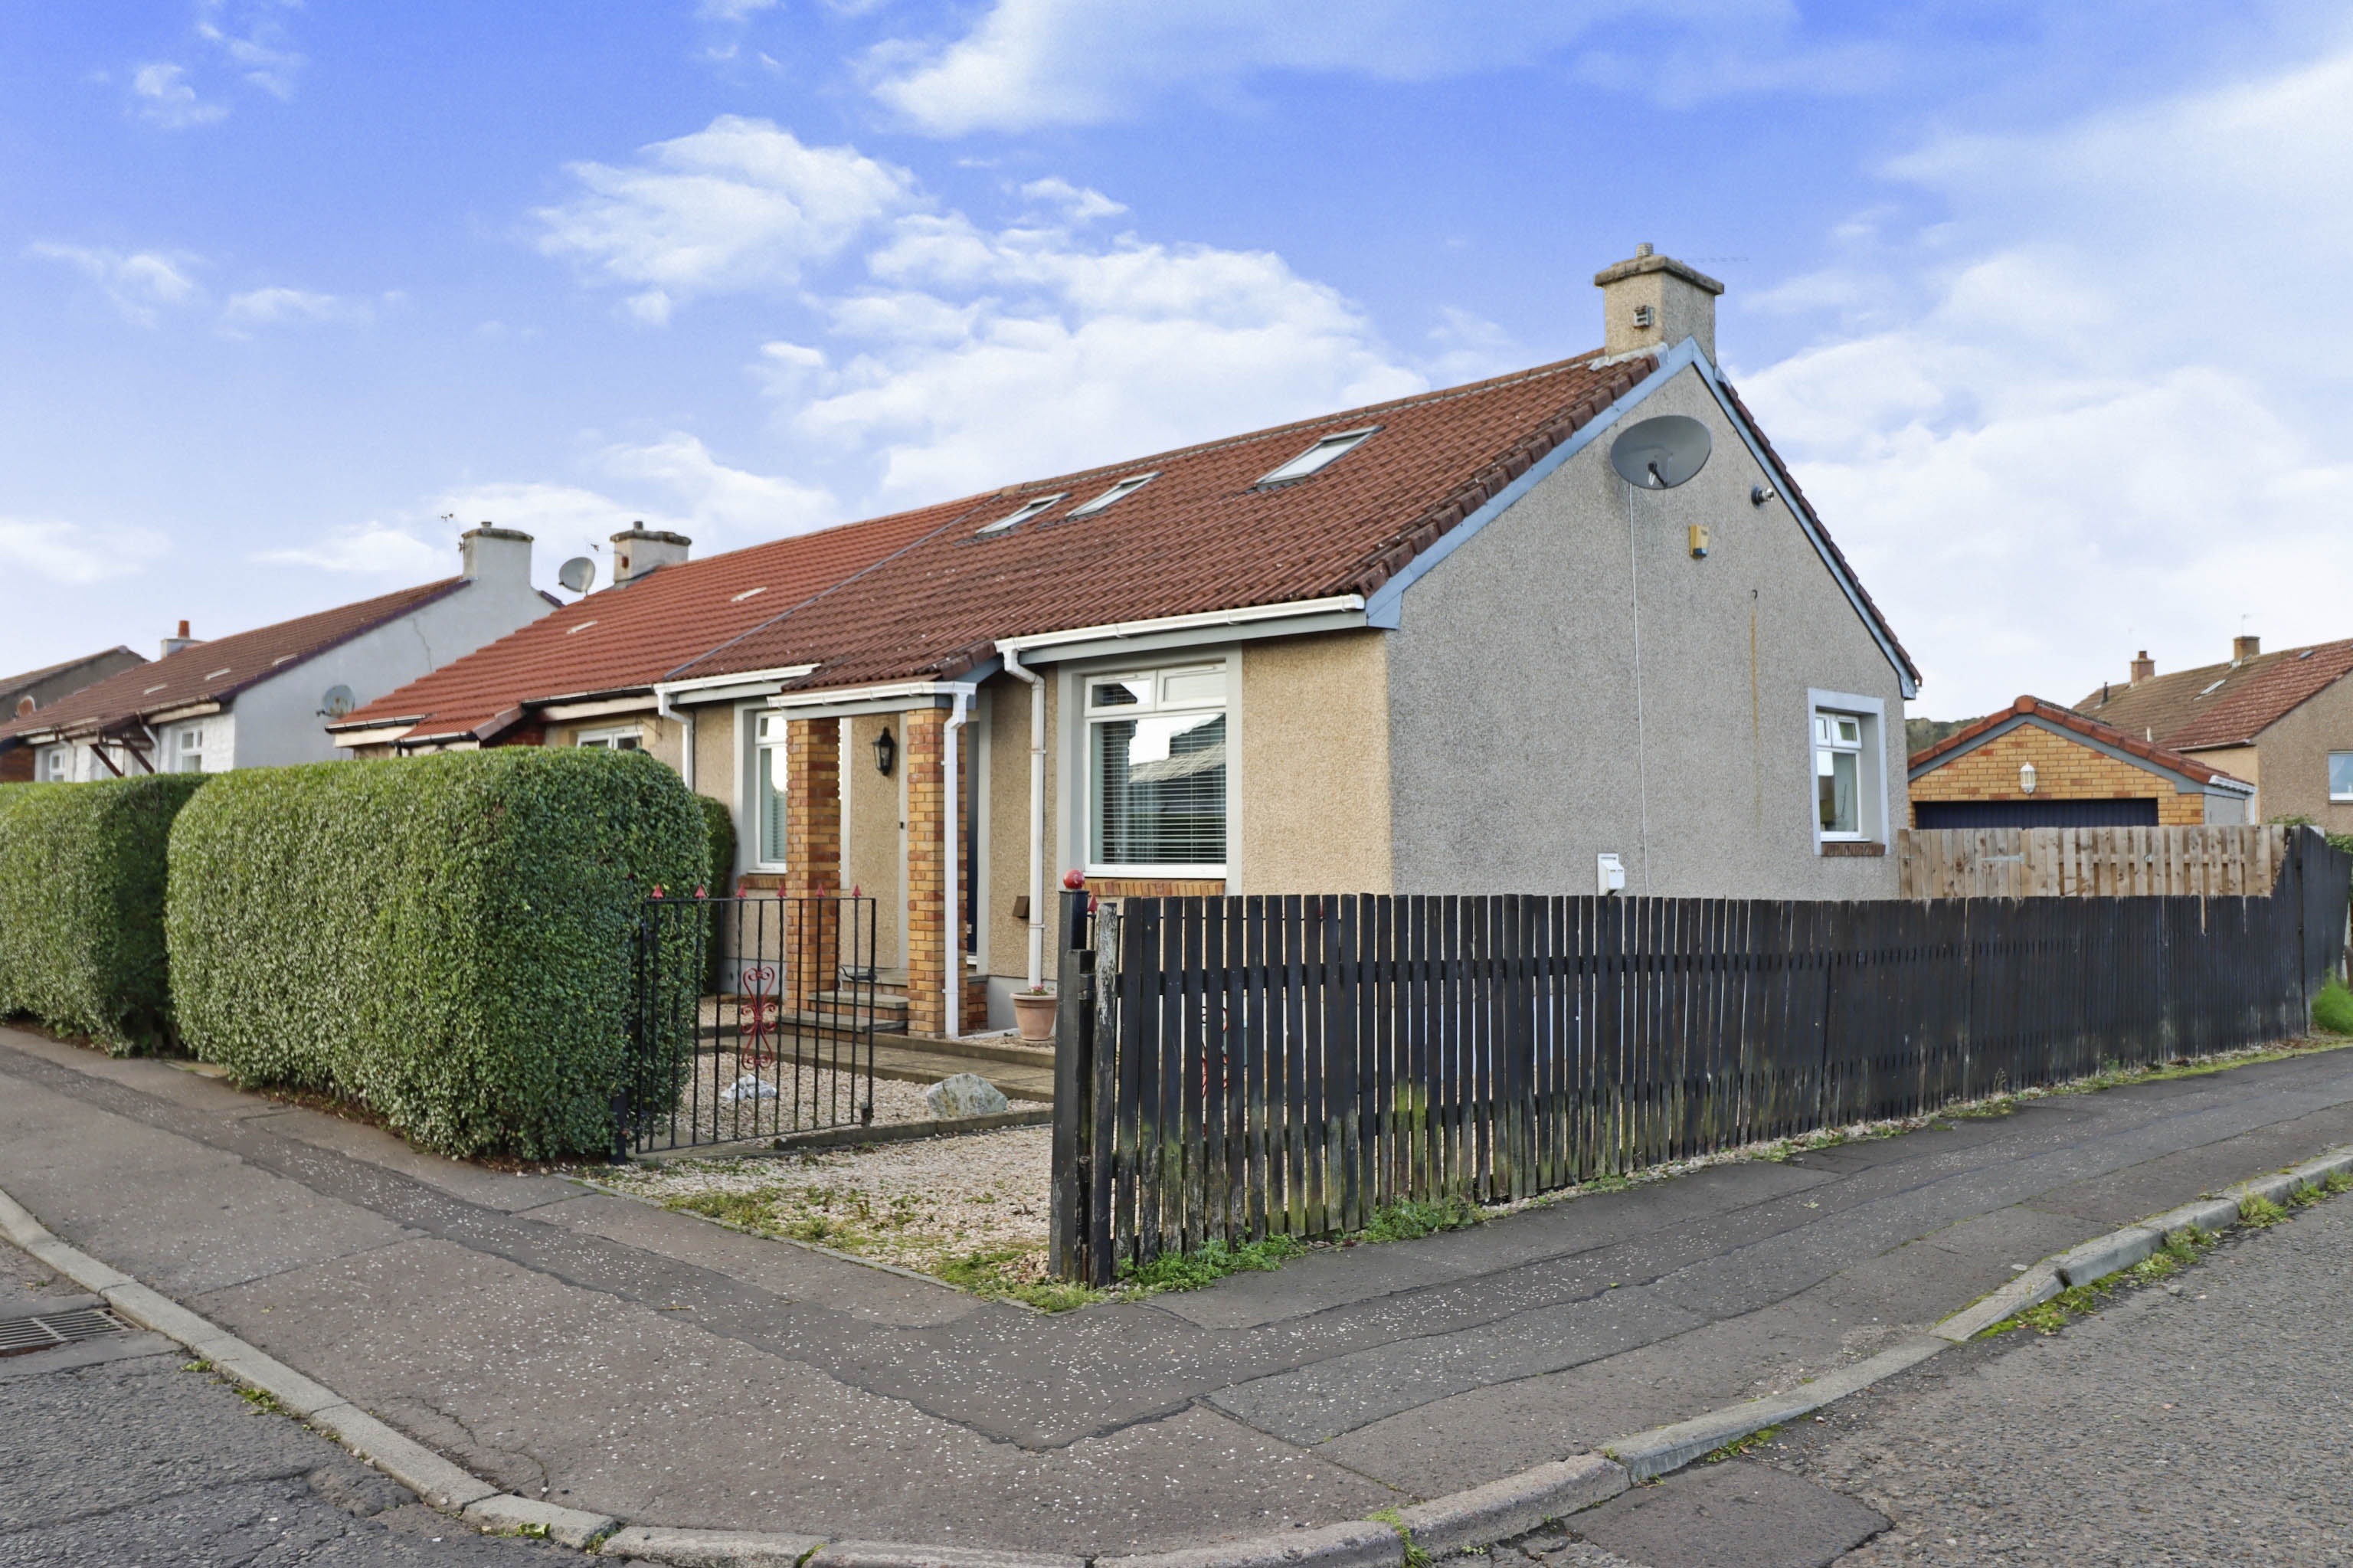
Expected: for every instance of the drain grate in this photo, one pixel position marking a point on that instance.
(20, 1336)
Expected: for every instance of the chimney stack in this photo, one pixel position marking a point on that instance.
(2143, 668)
(173, 644)
(2244, 648)
(490, 553)
(637, 550)
(1654, 303)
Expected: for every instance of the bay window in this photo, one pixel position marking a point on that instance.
(1156, 771)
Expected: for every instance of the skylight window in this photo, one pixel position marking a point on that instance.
(217, 674)
(2214, 688)
(1029, 509)
(581, 626)
(748, 593)
(1125, 487)
(1320, 456)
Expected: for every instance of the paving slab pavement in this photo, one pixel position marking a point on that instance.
(649, 1364)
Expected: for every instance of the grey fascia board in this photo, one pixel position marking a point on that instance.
(1199, 637)
(1383, 607)
(2182, 783)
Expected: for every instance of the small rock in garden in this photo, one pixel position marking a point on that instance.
(967, 1093)
(750, 1086)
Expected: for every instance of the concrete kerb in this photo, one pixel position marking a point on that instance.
(1461, 1521)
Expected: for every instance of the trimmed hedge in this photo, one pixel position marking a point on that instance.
(82, 905)
(720, 823)
(444, 940)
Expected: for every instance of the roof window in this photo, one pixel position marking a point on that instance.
(748, 593)
(1029, 509)
(1326, 451)
(581, 627)
(155, 688)
(2214, 688)
(1125, 487)
(217, 674)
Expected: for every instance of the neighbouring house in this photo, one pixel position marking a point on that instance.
(1436, 645)
(2283, 722)
(261, 698)
(37, 689)
(2040, 765)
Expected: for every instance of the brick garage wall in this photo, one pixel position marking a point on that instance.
(2063, 770)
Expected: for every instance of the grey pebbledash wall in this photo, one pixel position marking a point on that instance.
(1513, 751)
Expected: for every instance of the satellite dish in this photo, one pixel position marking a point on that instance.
(1660, 453)
(578, 574)
(337, 702)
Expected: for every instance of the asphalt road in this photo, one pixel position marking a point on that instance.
(113, 1454)
(2209, 1424)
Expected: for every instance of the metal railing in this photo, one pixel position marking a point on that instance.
(751, 1018)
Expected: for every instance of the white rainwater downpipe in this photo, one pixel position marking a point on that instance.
(1013, 667)
(950, 776)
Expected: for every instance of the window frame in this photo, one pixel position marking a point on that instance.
(2333, 758)
(751, 845)
(1341, 443)
(56, 765)
(182, 753)
(1227, 666)
(1120, 491)
(606, 736)
(1871, 785)
(1036, 506)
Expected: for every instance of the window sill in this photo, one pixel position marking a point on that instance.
(1852, 849)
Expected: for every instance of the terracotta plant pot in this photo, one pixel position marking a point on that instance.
(1035, 1013)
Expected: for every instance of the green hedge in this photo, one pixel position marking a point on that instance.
(720, 823)
(441, 939)
(82, 905)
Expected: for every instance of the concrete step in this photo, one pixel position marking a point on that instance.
(880, 1002)
(993, 1050)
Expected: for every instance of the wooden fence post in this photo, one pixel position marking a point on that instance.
(1074, 1154)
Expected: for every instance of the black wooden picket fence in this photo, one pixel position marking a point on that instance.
(1232, 1068)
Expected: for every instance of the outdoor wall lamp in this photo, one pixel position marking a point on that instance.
(886, 752)
(2026, 777)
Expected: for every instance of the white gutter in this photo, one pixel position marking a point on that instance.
(713, 683)
(950, 778)
(1244, 615)
(1013, 667)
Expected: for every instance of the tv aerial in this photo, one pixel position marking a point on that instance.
(1660, 453)
(578, 574)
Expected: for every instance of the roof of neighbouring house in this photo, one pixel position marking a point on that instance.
(2221, 704)
(2055, 716)
(216, 671)
(926, 594)
(14, 686)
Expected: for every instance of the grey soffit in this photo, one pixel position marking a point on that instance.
(48, 1330)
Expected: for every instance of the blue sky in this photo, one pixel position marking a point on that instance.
(2046, 302)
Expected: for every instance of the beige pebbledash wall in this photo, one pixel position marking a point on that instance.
(2294, 753)
(2065, 769)
(874, 810)
(1314, 775)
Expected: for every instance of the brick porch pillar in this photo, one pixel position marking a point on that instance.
(921, 736)
(812, 853)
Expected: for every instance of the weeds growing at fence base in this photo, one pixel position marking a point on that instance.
(2333, 1009)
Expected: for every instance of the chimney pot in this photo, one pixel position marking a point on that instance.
(1654, 301)
(639, 549)
(2244, 648)
(173, 644)
(2143, 668)
(183, 629)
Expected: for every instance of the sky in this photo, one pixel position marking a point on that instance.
(2046, 304)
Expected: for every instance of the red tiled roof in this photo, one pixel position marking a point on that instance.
(217, 669)
(2222, 705)
(2069, 719)
(626, 638)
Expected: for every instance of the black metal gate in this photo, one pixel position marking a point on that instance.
(751, 1018)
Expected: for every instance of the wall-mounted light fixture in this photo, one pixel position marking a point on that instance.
(2026, 777)
(1758, 494)
(886, 752)
(1699, 541)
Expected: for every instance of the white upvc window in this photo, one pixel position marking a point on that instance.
(621, 737)
(2340, 775)
(188, 749)
(769, 791)
(1156, 767)
(57, 764)
(1838, 774)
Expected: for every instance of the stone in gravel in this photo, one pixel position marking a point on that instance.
(1730, 1515)
(965, 1094)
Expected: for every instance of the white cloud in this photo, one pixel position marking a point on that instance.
(369, 549)
(2111, 417)
(1031, 63)
(740, 204)
(721, 506)
(67, 552)
(159, 94)
(140, 285)
(985, 356)
(250, 38)
(1079, 204)
(287, 307)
